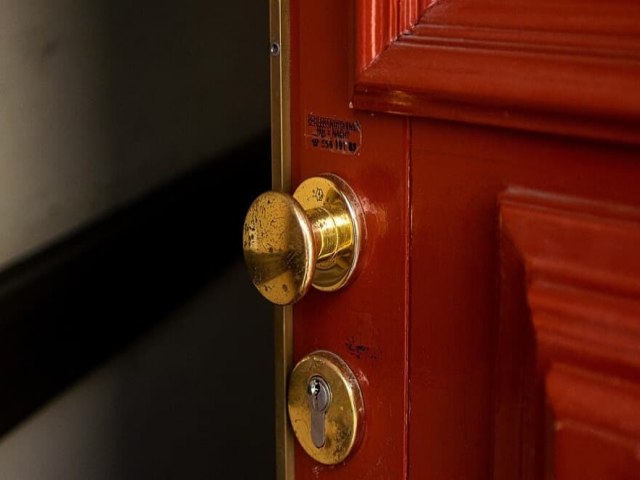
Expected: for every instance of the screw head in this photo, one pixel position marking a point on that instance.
(275, 49)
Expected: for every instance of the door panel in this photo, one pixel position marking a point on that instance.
(496, 157)
(469, 332)
(581, 278)
(548, 66)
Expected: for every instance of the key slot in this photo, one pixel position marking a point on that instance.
(319, 401)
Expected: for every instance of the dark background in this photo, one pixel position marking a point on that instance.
(132, 344)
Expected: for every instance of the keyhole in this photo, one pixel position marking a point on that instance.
(319, 400)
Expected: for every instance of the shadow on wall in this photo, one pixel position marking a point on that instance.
(102, 101)
(122, 124)
(183, 394)
(192, 400)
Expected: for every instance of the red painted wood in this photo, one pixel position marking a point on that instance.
(495, 319)
(380, 22)
(366, 323)
(583, 17)
(561, 67)
(457, 331)
(596, 427)
(582, 288)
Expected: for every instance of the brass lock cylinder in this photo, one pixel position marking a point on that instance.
(330, 430)
(311, 238)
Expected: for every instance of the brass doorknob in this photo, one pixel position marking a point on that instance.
(311, 238)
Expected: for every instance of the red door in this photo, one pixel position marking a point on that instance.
(494, 326)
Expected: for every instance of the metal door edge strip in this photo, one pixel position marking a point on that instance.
(281, 181)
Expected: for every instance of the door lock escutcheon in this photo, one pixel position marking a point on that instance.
(325, 405)
(311, 238)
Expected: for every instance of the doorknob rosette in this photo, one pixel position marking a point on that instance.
(311, 238)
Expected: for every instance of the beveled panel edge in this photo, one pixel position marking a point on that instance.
(380, 22)
(580, 280)
(542, 81)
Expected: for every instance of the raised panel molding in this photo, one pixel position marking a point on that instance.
(379, 23)
(568, 358)
(556, 66)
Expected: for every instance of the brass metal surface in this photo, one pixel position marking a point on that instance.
(279, 247)
(283, 355)
(336, 217)
(280, 95)
(313, 237)
(344, 419)
(281, 181)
